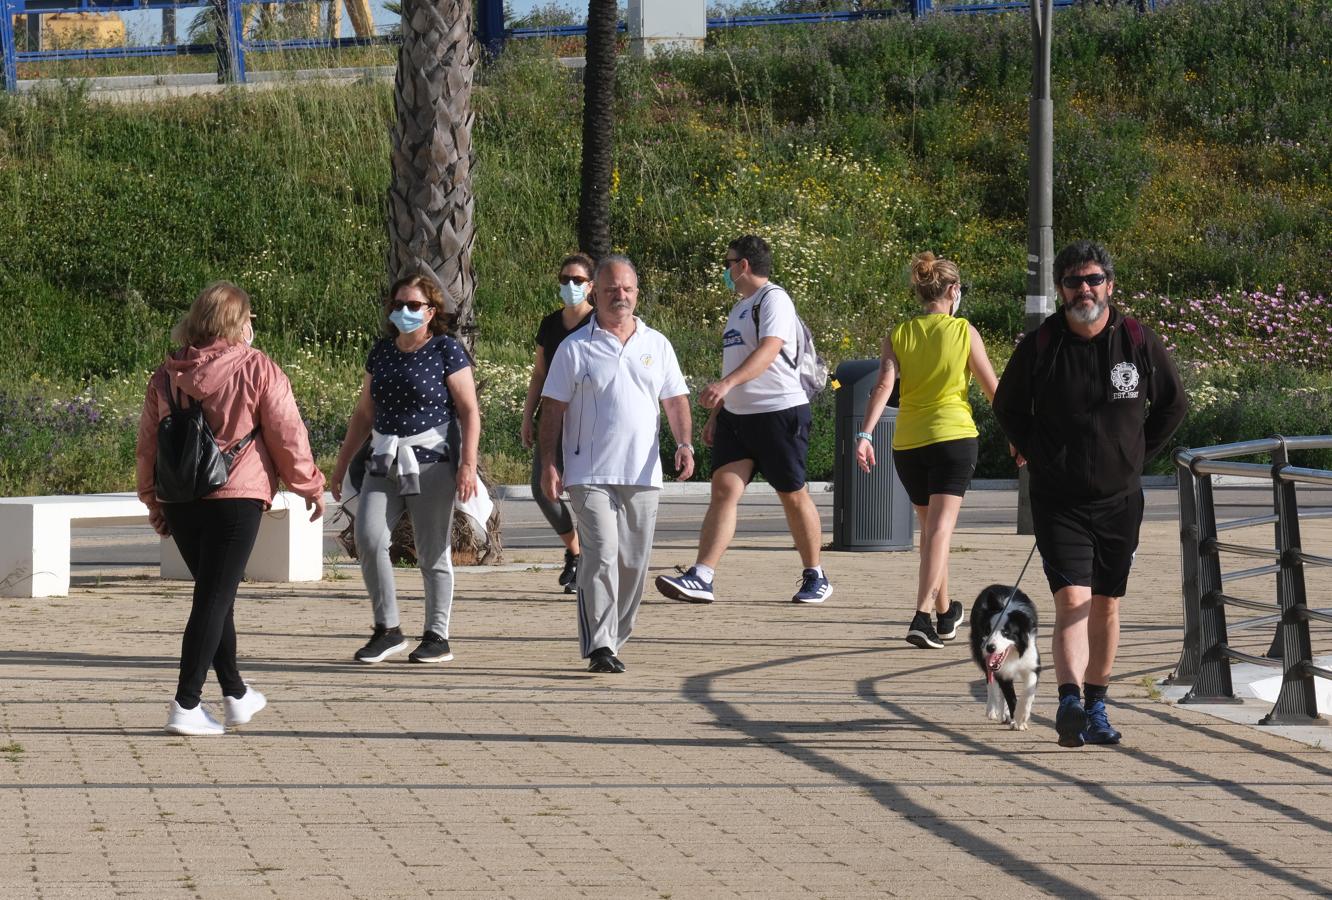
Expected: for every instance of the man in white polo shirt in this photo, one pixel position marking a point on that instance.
(601, 395)
(759, 423)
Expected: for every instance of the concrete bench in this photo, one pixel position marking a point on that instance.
(35, 540)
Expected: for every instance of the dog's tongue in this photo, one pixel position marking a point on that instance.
(995, 660)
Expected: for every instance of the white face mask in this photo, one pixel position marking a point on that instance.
(573, 294)
(957, 302)
(248, 335)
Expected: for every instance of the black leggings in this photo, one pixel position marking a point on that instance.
(215, 538)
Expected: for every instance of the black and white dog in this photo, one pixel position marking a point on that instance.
(1003, 644)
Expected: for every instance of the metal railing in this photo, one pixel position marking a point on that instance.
(1205, 661)
(232, 44)
(230, 47)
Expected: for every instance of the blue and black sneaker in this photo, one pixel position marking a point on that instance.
(814, 588)
(687, 586)
(1070, 721)
(1098, 729)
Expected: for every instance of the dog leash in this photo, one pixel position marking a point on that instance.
(1013, 593)
(989, 676)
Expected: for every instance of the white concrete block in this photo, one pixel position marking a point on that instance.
(657, 25)
(289, 547)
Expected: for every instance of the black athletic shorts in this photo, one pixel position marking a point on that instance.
(1089, 543)
(777, 442)
(942, 468)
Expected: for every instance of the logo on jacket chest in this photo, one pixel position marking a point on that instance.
(1124, 379)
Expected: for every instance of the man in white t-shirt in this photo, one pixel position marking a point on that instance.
(759, 423)
(601, 397)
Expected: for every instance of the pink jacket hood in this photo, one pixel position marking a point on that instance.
(239, 388)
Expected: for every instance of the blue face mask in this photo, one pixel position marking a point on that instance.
(407, 321)
(726, 277)
(573, 294)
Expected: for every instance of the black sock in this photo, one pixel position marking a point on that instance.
(1094, 692)
(1069, 690)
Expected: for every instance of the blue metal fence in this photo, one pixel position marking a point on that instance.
(232, 47)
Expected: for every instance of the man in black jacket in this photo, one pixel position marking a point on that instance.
(1088, 398)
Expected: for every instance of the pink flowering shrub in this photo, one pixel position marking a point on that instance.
(1282, 328)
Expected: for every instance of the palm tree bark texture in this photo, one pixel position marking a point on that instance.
(430, 202)
(594, 196)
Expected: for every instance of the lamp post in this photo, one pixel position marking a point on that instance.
(1040, 203)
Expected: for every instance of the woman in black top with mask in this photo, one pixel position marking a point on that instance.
(576, 292)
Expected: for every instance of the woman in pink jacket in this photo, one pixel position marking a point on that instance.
(242, 392)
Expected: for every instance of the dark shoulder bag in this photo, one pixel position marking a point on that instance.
(190, 465)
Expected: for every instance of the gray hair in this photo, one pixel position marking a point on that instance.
(613, 259)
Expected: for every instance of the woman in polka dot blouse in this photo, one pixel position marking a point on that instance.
(418, 410)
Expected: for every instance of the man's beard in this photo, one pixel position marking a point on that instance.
(1083, 314)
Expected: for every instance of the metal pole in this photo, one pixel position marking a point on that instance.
(1297, 701)
(490, 26)
(8, 48)
(169, 26)
(1190, 565)
(1040, 203)
(33, 22)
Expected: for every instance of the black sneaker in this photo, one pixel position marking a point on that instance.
(602, 661)
(922, 633)
(948, 621)
(569, 576)
(1070, 720)
(383, 643)
(432, 648)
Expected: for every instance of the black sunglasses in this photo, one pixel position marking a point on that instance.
(413, 305)
(1073, 282)
(732, 260)
(573, 279)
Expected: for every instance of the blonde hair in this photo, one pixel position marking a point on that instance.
(932, 275)
(442, 323)
(220, 311)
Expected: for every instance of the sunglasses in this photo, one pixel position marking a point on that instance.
(573, 279)
(1073, 282)
(732, 260)
(413, 305)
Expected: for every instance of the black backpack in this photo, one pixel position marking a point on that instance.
(190, 465)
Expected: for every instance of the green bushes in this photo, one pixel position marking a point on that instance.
(1195, 141)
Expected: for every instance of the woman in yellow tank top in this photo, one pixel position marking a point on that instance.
(934, 445)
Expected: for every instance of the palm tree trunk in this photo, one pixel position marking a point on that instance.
(430, 202)
(594, 194)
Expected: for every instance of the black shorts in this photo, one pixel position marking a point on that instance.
(942, 468)
(776, 442)
(1089, 543)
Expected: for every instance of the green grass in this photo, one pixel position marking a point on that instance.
(1194, 141)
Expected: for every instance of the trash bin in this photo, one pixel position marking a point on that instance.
(870, 511)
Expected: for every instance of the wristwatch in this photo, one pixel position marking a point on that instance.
(689, 447)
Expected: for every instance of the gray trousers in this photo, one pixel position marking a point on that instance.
(615, 527)
(556, 511)
(381, 506)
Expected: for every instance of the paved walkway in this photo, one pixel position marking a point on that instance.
(755, 748)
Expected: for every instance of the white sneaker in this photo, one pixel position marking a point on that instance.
(195, 721)
(241, 711)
